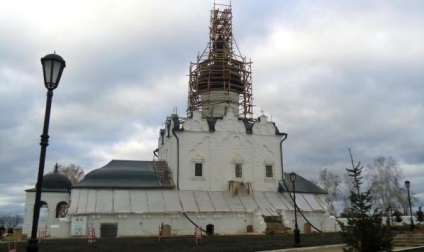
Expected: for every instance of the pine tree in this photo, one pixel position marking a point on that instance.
(419, 215)
(364, 231)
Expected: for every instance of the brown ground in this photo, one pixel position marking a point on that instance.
(182, 243)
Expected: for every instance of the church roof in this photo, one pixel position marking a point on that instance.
(54, 182)
(302, 185)
(122, 174)
(124, 201)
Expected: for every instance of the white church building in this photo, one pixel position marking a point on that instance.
(218, 167)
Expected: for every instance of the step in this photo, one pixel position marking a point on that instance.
(408, 240)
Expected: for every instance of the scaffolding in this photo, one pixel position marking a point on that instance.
(220, 78)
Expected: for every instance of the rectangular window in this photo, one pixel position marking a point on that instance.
(238, 171)
(268, 171)
(198, 169)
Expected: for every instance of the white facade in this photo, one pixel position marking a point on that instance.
(226, 168)
(140, 212)
(226, 179)
(216, 109)
(220, 151)
(52, 221)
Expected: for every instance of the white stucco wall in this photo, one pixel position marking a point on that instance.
(56, 227)
(220, 150)
(320, 220)
(224, 223)
(148, 224)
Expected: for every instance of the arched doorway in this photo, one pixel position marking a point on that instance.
(210, 228)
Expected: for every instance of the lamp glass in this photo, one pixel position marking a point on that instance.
(53, 66)
(293, 177)
(55, 71)
(48, 71)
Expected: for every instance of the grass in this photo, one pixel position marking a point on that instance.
(182, 243)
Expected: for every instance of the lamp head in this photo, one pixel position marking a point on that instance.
(53, 66)
(293, 177)
(407, 184)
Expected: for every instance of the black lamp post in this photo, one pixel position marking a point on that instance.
(53, 66)
(407, 185)
(296, 228)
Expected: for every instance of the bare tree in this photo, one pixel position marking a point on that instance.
(74, 172)
(11, 220)
(313, 181)
(384, 182)
(331, 183)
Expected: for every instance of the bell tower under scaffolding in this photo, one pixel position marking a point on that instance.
(220, 78)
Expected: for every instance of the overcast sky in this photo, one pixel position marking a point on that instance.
(332, 74)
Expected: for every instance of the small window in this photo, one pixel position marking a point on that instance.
(238, 171)
(198, 169)
(268, 171)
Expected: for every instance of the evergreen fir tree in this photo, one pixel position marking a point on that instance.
(398, 217)
(419, 215)
(364, 231)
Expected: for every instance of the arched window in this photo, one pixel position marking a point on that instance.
(43, 204)
(44, 210)
(61, 209)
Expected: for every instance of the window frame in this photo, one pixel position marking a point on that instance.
(198, 159)
(238, 170)
(196, 166)
(269, 168)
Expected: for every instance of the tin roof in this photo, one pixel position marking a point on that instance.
(139, 201)
(302, 185)
(123, 174)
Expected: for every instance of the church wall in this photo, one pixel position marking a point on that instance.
(28, 214)
(148, 224)
(54, 227)
(168, 152)
(220, 150)
(320, 220)
(252, 152)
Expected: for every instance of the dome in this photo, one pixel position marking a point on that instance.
(56, 180)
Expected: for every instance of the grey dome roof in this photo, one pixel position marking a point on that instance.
(54, 182)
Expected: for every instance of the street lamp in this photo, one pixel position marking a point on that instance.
(296, 228)
(407, 185)
(53, 66)
(389, 213)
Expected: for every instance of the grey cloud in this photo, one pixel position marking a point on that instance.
(336, 75)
